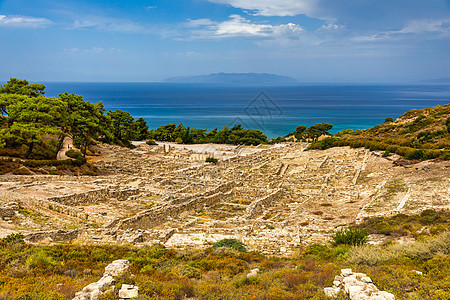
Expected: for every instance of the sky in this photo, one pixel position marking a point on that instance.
(379, 41)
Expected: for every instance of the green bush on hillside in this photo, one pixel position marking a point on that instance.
(211, 160)
(74, 154)
(352, 236)
(151, 143)
(231, 243)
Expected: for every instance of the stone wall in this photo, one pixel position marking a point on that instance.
(52, 236)
(257, 207)
(8, 210)
(157, 216)
(94, 196)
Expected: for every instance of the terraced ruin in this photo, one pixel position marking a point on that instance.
(273, 198)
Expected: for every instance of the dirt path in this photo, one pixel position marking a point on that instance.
(67, 144)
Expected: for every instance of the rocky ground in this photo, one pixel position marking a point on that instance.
(273, 198)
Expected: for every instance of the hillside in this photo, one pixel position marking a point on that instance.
(417, 134)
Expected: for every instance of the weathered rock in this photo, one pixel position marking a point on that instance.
(331, 291)
(8, 210)
(91, 291)
(358, 286)
(117, 267)
(346, 272)
(253, 272)
(128, 291)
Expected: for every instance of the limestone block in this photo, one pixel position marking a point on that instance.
(356, 292)
(253, 272)
(382, 295)
(351, 281)
(331, 292)
(128, 291)
(346, 272)
(366, 279)
(117, 267)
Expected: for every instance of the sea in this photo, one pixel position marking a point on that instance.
(276, 110)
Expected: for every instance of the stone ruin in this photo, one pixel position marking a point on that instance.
(273, 198)
(107, 283)
(358, 286)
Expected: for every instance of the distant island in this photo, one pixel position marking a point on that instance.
(235, 78)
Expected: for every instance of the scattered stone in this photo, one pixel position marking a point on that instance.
(358, 286)
(346, 272)
(418, 272)
(253, 272)
(331, 292)
(116, 268)
(128, 291)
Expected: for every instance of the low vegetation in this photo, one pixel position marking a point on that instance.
(415, 270)
(417, 135)
(352, 236)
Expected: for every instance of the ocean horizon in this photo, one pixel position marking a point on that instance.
(276, 110)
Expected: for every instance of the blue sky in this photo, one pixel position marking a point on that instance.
(310, 40)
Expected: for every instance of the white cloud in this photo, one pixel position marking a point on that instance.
(108, 24)
(416, 28)
(330, 27)
(273, 7)
(200, 22)
(23, 22)
(421, 26)
(237, 26)
(93, 50)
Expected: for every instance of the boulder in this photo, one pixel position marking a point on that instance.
(117, 267)
(128, 291)
(331, 291)
(346, 272)
(358, 286)
(253, 272)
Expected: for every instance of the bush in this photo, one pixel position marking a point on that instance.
(151, 143)
(231, 243)
(388, 120)
(386, 153)
(74, 154)
(211, 160)
(352, 236)
(13, 238)
(415, 154)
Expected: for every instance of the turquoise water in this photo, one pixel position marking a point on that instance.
(277, 110)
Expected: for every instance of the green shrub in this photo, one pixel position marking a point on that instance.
(151, 143)
(415, 154)
(352, 236)
(231, 243)
(211, 160)
(39, 259)
(14, 238)
(386, 153)
(324, 144)
(74, 154)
